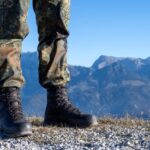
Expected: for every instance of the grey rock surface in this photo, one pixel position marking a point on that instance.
(107, 135)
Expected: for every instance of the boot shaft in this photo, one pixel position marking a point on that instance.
(10, 103)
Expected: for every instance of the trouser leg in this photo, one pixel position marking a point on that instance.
(52, 20)
(13, 29)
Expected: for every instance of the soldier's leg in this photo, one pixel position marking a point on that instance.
(13, 29)
(52, 20)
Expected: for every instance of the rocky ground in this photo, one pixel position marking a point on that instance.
(109, 134)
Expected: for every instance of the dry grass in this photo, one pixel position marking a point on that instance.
(125, 121)
(36, 121)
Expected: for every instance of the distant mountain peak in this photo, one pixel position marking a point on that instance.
(104, 61)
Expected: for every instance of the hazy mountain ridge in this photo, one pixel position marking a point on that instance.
(111, 85)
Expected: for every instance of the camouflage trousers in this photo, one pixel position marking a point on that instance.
(52, 18)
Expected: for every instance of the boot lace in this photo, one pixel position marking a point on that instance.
(63, 100)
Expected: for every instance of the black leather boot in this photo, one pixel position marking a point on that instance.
(12, 120)
(60, 110)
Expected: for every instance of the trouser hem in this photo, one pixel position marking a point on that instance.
(47, 85)
(12, 84)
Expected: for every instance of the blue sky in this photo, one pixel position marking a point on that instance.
(102, 27)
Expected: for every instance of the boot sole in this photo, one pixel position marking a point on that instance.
(23, 134)
(15, 135)
(63, 123)
(66, 124)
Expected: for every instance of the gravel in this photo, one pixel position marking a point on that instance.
(104, 136)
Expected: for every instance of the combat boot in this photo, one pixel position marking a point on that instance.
(60, 110)
(12, 120)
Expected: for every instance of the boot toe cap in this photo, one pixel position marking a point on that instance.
(90, 120)
(18, 129)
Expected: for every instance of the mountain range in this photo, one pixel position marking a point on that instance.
(113, 86)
